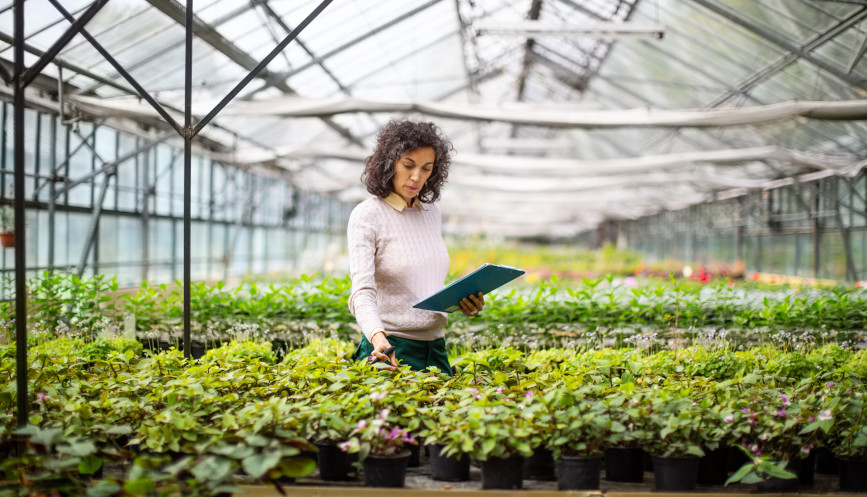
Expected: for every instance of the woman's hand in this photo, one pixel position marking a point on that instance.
(380, 344)
(472, 305)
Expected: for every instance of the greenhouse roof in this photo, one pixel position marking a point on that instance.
(563, 113)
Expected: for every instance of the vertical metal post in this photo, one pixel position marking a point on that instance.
(188, 150)
(20, 254)
(145, 212)
(51, 190)
(817, 233)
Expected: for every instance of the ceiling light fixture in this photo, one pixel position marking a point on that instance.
(593, 29)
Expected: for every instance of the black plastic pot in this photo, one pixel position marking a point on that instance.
(675, 473)
(578, 473)
(807, 471)
(853, 473)
(197, 350)
(386, 471)
(448, 468)
(826, 462)
(713, 467)
(503, 473)
(624, 464)
(540, 466)
(336, 465)
(414, 454)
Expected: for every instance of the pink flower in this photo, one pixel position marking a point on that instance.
(729, 419)
(377, 396)
(782, 412)
(825, 415)
(383, 414)
(41, 396)
(500, 390)
(362, 424)
(529, 395)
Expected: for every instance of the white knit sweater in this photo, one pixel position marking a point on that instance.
(396, 258)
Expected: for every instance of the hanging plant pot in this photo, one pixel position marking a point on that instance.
(503, 473)
(336, 465)
(448, 468)
(675, 473)
(540, 466)
(7, 239)
(386, 471)
(578, 473)
(713, 467)
(624, 464)
(853, 473)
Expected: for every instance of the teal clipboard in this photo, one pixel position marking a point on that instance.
(486, 278)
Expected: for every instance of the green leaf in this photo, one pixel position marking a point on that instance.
(89, 465)
(297, 467)
(741, 473)
(777, 470)
(141, 486)
(257, 465)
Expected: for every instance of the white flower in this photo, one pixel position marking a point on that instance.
(825, 415)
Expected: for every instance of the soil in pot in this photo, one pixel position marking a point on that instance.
(713, 467)
(578, 473)
(675, 473)
(624, 464)
(336, 465)
(853, 473)
(386, 471)
(503, 473)
(540, 466)
(448, 468)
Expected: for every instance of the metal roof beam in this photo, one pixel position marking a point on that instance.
(282, 77)
(211, 36)
(802, 52)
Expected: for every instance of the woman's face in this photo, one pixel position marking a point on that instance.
(411, 170)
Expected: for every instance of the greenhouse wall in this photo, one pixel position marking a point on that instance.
(811, 229)
(244, 219)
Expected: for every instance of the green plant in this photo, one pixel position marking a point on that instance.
(377, 436)
(7, 219)
(760, 468)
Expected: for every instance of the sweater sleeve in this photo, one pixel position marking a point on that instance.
(361, 241)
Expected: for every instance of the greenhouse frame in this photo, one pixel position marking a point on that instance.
(160, 142)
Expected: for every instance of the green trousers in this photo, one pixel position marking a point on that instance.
(416, 354)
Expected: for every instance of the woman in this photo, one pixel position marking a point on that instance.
(397, 255)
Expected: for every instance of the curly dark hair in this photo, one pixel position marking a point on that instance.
(399, 137)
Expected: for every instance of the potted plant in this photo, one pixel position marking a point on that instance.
(624, 456)
(381, 447)
(327, 424)
(676, 420)
(845, 414)
(7, 226)
(449, 446)
(578, 440)
(501, 426)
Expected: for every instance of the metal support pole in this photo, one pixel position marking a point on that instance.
(817, 233)
(52, 202)
(261, 66)
(188, 154)
(94, 227)
(20, 253)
